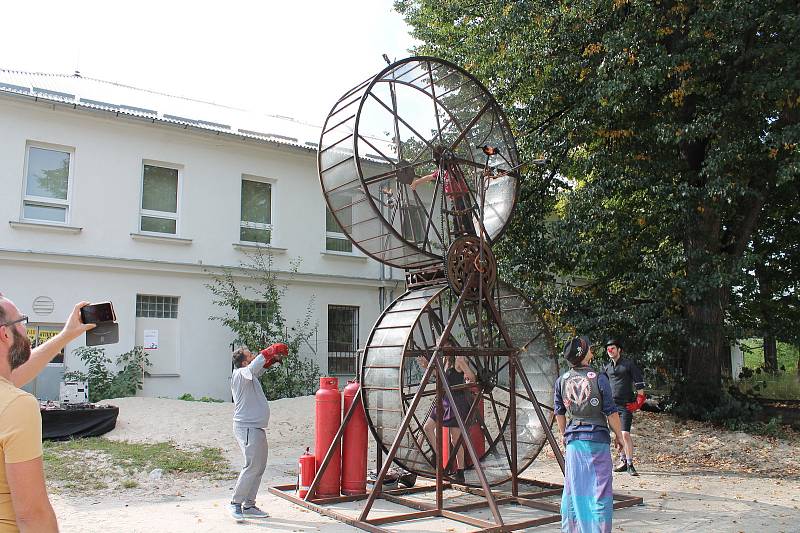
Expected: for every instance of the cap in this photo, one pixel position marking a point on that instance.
(576, 349)
(613, 341)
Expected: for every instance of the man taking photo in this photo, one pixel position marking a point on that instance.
(24, 505)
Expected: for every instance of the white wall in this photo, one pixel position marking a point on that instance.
(103, 261)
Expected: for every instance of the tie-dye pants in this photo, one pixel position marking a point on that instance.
(587, 502)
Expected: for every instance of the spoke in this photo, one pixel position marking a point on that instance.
(516, 393)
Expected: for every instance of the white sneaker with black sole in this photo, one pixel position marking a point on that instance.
(254, 512)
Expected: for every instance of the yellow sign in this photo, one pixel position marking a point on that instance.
(32, 335)
(45, 336)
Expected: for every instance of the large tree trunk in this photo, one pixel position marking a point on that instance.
(703, 357)
(770, 353)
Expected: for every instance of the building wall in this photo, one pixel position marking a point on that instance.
(107, 260)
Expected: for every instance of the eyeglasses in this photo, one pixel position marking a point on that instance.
(23, 319)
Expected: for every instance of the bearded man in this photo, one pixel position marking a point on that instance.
(24, 505)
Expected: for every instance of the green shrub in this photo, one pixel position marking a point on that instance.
(779, 386)
(726, 406)
(294, 376)
(189, 398)
(104, 382)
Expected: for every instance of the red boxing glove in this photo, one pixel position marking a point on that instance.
(273, 354)
(635, 406)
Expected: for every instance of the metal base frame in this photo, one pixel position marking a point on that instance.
(423, 509)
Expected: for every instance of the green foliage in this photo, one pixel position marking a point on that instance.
(753, 351)
(672, 133)
(726, 406)
(187, 397)
(774, 386)
(254, 314)
(106, 381)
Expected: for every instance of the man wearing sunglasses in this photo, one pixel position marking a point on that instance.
(24, 505)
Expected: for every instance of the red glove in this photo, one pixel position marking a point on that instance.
(273, 354)
(635, 406)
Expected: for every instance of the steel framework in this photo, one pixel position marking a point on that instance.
(455, 305)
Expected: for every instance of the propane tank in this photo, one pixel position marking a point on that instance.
(328, 420)
(475, 434)
(354, 445)
(306, 470)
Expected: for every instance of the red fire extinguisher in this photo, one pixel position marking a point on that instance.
(328, 420)
(354, 445)
(306, 470)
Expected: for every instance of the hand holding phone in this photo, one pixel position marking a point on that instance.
(98, 313)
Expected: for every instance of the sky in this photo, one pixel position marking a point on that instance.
(293, 58)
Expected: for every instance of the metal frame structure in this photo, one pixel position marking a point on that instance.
(467, 270)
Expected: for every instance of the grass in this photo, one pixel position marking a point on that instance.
(753, 350)
(98, 463)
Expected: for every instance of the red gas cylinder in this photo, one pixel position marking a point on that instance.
(475, 433)
(328, 420)
(354, 445)
(306, 470)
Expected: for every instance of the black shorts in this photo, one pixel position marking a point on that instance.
(625, 418)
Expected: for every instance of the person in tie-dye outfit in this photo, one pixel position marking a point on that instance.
(585, 411)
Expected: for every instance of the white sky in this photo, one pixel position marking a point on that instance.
(292, 58)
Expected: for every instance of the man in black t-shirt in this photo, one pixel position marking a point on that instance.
(625, 377)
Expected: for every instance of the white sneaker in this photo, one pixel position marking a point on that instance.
(236, 511)
(254, 512)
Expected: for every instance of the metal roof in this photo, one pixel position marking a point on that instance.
(123, 100)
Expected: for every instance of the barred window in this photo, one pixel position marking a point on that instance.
(148, 306)
(252, 311)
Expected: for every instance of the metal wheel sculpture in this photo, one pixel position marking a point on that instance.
(383, 134)
(419, 169)
(391, 376)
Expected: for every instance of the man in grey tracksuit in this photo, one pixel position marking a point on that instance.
(250, 419)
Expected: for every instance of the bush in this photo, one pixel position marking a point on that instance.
(726, 406)
(103, 381)
(778, 386)
(294, 376)
(187, 397)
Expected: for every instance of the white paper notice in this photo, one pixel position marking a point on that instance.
(151, 339)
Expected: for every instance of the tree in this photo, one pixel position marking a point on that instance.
(254, 314)
(668, 127)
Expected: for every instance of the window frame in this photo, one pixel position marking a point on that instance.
(160, 214)
(351, 360)
(43, 200)
(175, 301)
(272, 212)
(336, 235)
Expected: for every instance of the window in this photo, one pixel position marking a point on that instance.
(256, 222)
(252, 311)
(156, 306)
(335, 240)
(342, 339)
(47, 184)
(159, 213)
(39, 334)
(158, 332)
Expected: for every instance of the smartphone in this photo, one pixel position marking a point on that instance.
(98, 313)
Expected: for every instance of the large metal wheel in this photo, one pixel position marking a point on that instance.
(384, 132)
(410, 327)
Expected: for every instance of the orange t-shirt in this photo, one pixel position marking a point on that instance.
(20, 440)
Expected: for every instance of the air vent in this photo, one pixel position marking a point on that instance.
(43, 305)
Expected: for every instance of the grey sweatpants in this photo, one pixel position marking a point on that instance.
(253, 442)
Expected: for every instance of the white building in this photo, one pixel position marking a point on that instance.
(115, 193)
